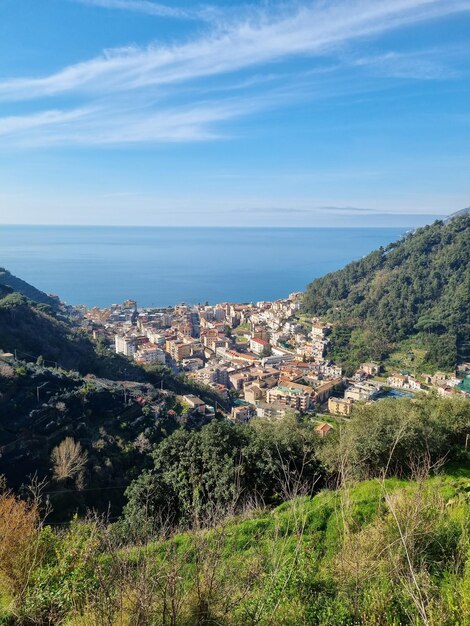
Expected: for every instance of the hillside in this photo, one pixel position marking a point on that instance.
(338, 559)
(15, 284)
(457, 214)
(417, 287)
(33, 330)
(233, 524)
(116, 423)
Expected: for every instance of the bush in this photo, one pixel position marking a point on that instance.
(19, 524)
(66, 575)
(393, 436)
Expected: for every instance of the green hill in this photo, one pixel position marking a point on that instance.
(388, 552)
(232, 525)
(416, 288)
(15, 284)
(32, 330)
(40, 407)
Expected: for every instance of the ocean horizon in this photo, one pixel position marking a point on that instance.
(161, 266)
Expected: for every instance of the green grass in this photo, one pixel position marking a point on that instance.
(318, 516)
(410, 355)
(294, 553)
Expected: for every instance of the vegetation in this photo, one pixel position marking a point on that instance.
(222, 468)
(418, 287)
(50, 420)
(200, 544)
(394, 437)
(32, 330)
(10, 284)
(69, 460)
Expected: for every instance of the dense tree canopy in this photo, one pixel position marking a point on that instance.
(395, 437)
(420, 284)
(201, 474)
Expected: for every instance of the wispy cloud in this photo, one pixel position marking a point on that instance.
(108, 124)
(147, 7)
(310, 30)
(17, 124)
(312, 209)
(422, 65)
(146, 76)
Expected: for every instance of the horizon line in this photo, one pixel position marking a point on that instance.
(199, 227)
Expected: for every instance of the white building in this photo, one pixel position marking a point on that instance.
(362, 392)
(258, 345)
(150, 353)
(157, 338)
(125, 345)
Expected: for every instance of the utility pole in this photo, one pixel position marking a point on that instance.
(40, 387)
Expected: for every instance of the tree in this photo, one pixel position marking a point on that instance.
(69, 459)
(199, 475)
(391, 436)
(267, 351)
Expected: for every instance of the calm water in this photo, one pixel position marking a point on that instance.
(162, 266)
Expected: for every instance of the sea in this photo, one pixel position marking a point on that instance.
(161, 266)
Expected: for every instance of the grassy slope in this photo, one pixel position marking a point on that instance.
(296, 552)
(319, 516)
(298, 546)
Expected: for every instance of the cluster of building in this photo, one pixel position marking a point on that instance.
(367, 385)
(265, 358)
(261, 356)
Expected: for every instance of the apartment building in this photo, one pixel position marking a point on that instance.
(273, 411)
(148, 354)
(254, 392)
(128, 344)
(258, 345)
(178, 350)
(242, 414)
(299, 397)
(325, 389)
(340, 406)
(362, 392)
(213, 374)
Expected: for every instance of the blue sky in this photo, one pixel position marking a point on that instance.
(333, 112)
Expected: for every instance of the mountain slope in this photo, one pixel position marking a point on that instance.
(420, 284)
(33, 331)
(457, 214)
(18, 285)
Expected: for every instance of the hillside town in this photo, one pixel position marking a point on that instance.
(263, 359)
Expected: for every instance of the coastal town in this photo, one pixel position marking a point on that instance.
(263, 359)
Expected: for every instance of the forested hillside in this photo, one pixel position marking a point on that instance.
(416, 287)
(33, 330)
(18, 285)
(114, 426)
